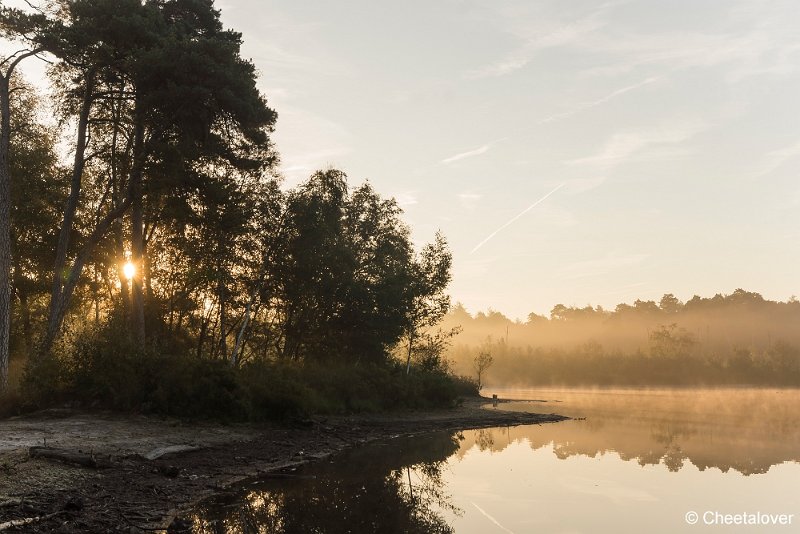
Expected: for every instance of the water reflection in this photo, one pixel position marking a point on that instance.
(746, 430)
(638, 461)
(392, 487)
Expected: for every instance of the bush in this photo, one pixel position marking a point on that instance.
(277, 392)
(104, 370)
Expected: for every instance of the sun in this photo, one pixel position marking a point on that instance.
(129, 270)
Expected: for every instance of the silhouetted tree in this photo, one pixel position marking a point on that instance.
(158, 91)
(670, 304)
(38, 196)
(481, 364)
(12, 25)
(428, 300)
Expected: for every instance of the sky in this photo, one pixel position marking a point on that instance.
(571, 152)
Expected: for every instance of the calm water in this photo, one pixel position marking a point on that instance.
(638, 462)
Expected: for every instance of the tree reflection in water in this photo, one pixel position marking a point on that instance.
(741, 429)
(395, 487)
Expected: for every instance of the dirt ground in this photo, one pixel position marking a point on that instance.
(152, 469)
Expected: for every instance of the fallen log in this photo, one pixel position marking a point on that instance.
(172, 449)
(70, 457)
(18, 522)
(27, 521)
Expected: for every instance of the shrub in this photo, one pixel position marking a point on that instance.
(103, 369)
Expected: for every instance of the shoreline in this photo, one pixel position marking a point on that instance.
(143, 472)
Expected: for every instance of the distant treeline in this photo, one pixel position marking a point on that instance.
(740, 338)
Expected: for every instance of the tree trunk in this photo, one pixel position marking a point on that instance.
(203, 329)
(124, 283)
(25, 317)
(5, 211)
(137, 239)
(119, 226)
(410, 347)
(137, 255)
(238, 346)
(5, 230)
(96, 296)
(223, 335)
(147, 270)
(58, 307)
(57, 304)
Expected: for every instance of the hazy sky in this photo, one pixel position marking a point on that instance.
(666, 134)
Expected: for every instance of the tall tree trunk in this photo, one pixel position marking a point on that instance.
(119, 226)
(19, 293)
(137, 255)
(202, 337)
(124, 283)
(5, 211)
(238, 346)
(25, 317)
(147, 271)
(410, 349)
(5, 230)
(58, 307)
(223, 335)
(96, 295)
(137, 236)
(57, 303)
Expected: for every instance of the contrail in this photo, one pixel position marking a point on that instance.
(462, 155)
(492, 519)
(476, 152)
(526, 210)
(588, 105)
(583, 106)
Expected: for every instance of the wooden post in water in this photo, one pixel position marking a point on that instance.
(494, 400)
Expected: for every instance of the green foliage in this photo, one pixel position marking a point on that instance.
(385, 388)
(279, 391)
(247, 301)
(38, 194)
(43, 383)
(429, 302)
(344, 277)
(340, 286)
(105, 370)
(429, 351)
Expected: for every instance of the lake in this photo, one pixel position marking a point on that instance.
(657, 460)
